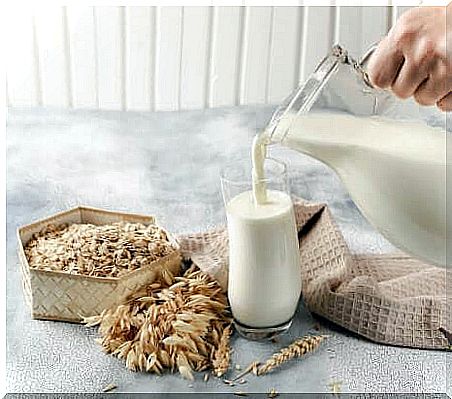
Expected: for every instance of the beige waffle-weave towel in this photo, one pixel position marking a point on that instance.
(391, 299)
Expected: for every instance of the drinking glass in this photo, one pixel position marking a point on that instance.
(264, 282)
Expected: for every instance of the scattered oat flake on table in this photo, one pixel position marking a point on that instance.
(238, 367)
(109, 387)
(206, 377)
(273, 393)
(335, 386)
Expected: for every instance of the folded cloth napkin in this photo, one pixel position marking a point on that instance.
(391, 299)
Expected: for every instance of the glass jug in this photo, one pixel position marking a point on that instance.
(391, 154)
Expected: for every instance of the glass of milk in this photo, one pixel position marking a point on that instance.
(264, 267)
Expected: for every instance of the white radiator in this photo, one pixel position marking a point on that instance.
(171, 58)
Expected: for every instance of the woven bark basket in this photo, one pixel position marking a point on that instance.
(53, 295)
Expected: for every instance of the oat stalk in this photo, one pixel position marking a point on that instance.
(221, 357)
(178, 323)
(296, 349)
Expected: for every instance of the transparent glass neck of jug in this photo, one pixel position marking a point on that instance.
(340, 84)
(302, 99)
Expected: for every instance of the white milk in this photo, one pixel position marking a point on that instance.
(258, 154)
(264, 271)
(395, 171)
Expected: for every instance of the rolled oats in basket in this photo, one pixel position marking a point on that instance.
(102, 251)
(78, 263)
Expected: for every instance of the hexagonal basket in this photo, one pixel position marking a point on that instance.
(54, 295)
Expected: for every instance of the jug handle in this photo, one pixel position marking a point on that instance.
(365, 57)
(362, 62)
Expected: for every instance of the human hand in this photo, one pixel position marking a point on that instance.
(415, 58)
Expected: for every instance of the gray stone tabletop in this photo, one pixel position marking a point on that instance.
(167, 164)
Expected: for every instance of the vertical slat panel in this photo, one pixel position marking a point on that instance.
(374, 26)
(255, 56)
(399, 10)
(110, 57)
(392, 15)
(20, 63)
(194, 58)
(83, 56)
(67, 57)
(139, 57)
(168, 59)
(225, 56)
(52, 55)
(317, 38)
(283, 57)
(350, 28)
(335, 24)
(177, 58)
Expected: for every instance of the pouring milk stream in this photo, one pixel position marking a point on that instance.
(394, 170)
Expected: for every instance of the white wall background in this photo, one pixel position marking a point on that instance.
(171, 58)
